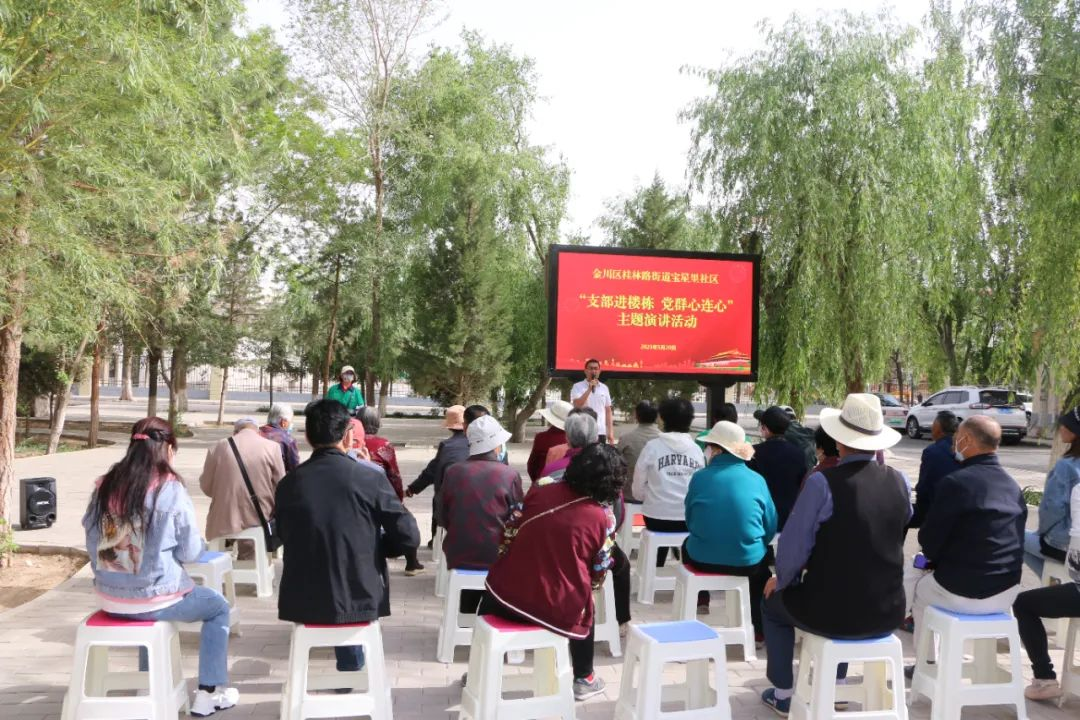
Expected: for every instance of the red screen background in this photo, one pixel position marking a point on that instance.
(649, 314)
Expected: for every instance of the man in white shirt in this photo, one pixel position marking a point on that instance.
(592, 393)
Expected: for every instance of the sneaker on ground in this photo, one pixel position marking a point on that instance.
(780, 707)
(623, 630)
(585, 688)
(414, 571)
(1043, 690)
(207, 703)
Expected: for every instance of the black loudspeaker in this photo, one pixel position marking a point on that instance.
(37, 503)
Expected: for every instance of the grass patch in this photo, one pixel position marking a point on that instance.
(32, 447)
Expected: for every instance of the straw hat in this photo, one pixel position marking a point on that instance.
(455, 417)
(557, 413)
(859, 424)
(485, 434)
(731, 437)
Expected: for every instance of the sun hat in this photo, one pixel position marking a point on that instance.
(485, 434)
(729, 436)
(557, 413)
(1071, 420)
(345, 369)
(859, 424)
(455, 417)
(775, 418)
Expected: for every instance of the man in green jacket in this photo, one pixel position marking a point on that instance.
(345, 391)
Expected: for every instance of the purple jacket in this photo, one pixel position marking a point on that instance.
(477, 497)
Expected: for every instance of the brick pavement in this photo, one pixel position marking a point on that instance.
(36, 639)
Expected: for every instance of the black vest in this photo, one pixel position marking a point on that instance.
(854, 581)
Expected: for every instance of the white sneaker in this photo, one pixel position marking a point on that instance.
(1043, 690)
(207, 704)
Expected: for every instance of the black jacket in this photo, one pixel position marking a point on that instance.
(339, 521)
(453, 449)
(937, 462)
(783, 465)
(974, 532)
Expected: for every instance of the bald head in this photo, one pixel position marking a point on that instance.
(979, 435)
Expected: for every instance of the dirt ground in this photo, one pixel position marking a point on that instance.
(31, 575)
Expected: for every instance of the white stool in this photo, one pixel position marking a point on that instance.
(883, 661)
(442, 573)
(738, 629)
(551, 681)
(605, 624)
(1070, 671)
(1054, 573)
(166, 689)
(297, 702)
(648, 580)
(626, 539)
(649, 647)
(943, 682)
(457, 628)
(258, 572)
(215, 569)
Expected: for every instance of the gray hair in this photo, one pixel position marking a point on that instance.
(369, 418)
(983, 430)
(581, 430)
(244, 423)
(278, 412)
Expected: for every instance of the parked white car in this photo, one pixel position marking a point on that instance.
(1001, 404)
(894, 411)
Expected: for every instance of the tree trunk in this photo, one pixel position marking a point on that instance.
(332, 335)
(126, 393)
(153, 361)
(95, 388)
(177, 382)
(314, 383)
(225, 384)
(376, 332)
(522, 418)
(59, 413)
(385, 386)
(11, 333)
(899, 376)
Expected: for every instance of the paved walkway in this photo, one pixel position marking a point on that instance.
(36, 639)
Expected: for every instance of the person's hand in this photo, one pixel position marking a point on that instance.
(611, 438)
(364, 454)
(593, 382)
(770, 586)
(409, 493)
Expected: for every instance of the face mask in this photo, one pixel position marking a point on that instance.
(348, 377)
(958, 454)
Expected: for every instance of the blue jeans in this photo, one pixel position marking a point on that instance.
(212, 609)
(350, 658)
(779, 629)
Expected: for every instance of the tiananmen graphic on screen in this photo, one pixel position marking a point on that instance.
(686, 314)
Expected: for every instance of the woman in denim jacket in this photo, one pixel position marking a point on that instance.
(1051, 540)
(140, 528)
(1055, 601)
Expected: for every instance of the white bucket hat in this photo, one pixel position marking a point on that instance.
(731, 437)
(485, 434)
(557, 413)
(859, 424)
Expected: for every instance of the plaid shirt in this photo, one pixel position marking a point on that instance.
(477, 497)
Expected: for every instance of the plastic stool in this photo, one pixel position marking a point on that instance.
(258, 572)
(738, 629)
(442, 573)
(297, 703)
(456, 627)
(552, 680)
(166, 689)
(649, 647)
(215, 569)
(943, 682)
(1070, 671)
(632, 518)
(883, 662)
(605, 624)
(1053, 573)
(648, 580)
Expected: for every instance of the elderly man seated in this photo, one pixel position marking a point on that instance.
(839, 561)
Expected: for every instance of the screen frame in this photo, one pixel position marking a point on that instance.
(555, 251)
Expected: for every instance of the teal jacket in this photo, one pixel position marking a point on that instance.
(351, 398)
(729, 513)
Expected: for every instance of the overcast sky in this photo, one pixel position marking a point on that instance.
(609, 74)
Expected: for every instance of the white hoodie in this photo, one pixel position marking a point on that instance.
(662, 475)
